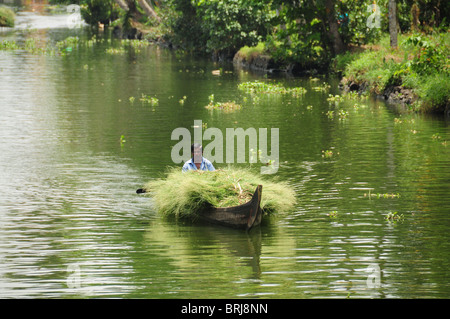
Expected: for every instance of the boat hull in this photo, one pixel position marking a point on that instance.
(244, 216)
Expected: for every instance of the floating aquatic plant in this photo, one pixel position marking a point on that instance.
(135, 44)
(225, 106)
(122, 140)
(340, 113)
(330, 114)
(296, 91)
(380, 195)
(322, 88)
(67, 45)
(358, 106)
(9, 45)
(333, 214)
(181, 101)
(436, 136)
(403, 120)
(259, 87)
(149, 99)
(336, 99)
(115, 50)
(327, 153)
(353, 95)
(394, 217)
(343, 114)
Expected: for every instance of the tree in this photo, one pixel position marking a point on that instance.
(148, 8)
(333, 28)
(130, 5)
(393, 23)
(230, 25)
(99, 11)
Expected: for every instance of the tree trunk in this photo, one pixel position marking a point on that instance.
(148, 8)
(333, 27)
(122, 4)
(393, 23)
(415, 12)
(128, 5)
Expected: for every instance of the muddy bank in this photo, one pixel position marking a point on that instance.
(264, 63)
(394, 94)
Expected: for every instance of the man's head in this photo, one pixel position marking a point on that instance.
(197, 152)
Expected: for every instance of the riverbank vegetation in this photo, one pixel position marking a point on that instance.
(398, 49)
(416, 73)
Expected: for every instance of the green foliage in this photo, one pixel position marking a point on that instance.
(298, 35)
(99, 11)
(185, 26)
(421, 63)
(219, 27)
(341, 61)
(373, 68)
(230, 25)
(9, 45)
(248, 53)
(222, 106)
(357, 20)
(258, 87)
(430, 57)
(394, 217)
(434, 92)
(7, 17)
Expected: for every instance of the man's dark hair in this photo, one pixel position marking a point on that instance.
(196, 146)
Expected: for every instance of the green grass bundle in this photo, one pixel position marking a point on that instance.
(183, 194)
(7, 17)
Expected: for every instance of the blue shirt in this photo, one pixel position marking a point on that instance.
(204, 166)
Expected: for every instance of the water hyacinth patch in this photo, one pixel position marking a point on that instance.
(149, 100)
(119, 50)
(336, 99)
(259, 87)
(9, 45)
(322, 88)
(226, 106)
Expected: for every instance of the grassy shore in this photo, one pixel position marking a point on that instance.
(416, 74)
(418, 68)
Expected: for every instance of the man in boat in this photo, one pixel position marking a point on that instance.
(197, 161)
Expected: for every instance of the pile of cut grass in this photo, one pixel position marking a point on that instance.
(183, 194)
(7, 17)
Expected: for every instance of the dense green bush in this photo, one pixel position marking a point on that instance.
(180, 17)
(218, 26)
(99, 11)
(434, 92)
(420, 63)
(429, 56)
(232, 24)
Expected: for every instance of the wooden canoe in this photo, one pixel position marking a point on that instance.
(244, 216)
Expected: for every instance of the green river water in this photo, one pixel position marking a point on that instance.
(72, 226)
